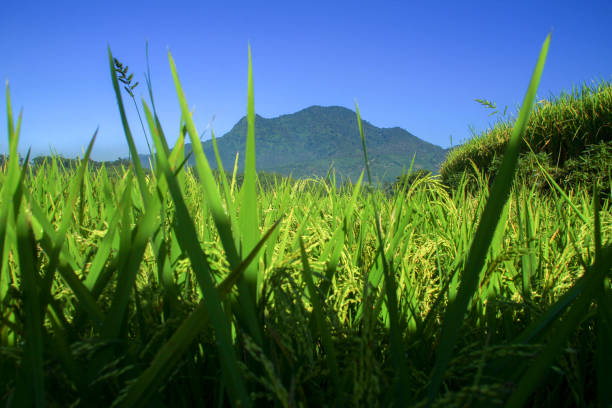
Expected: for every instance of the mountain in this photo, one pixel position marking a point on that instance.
(308, 142)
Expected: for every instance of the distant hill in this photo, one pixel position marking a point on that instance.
(308, 142)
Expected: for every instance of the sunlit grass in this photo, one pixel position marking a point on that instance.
(177, 288)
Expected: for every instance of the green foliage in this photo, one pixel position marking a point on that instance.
(130, 290)
(306, 143)
(405, 181)
(563, 131)
(594, 166)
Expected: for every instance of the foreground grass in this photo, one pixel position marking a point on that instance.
(171, 288)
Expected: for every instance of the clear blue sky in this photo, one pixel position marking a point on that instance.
(408, 64)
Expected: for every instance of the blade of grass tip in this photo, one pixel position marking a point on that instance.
(67, 218)
(148, 79)
(234, 173)
(178, 153)
(31, 382)
(103, 253)
(338, 240)
(145, 229)
(8, 237)
(222, 221)
(9, 114)
(206, 176)
(10, 184)
(363, 144)
(100, 273)
(144, 191)
(66, 265)
(9, 187)
(248, 217)
(226, 188)
(401, 382)
(455, 312)
(169, 354)
(188, 240)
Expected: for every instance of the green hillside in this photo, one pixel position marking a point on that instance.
(570, 135)
(308, 142)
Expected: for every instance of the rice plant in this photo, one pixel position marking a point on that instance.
(179, 287)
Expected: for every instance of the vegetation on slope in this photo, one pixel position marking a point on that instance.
(307, 143)
(569, 135)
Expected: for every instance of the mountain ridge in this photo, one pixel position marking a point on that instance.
(306, 143)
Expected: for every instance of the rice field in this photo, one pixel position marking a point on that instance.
(176, 287)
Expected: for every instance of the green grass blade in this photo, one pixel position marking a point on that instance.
(562, 330)
(144, 191)
(397, 353)
(226, 187)
(222, 221)
(604, 312)
(338, 240)
(9, 115)
(188, 240)
(528, 261)
(551, 181)
(9, 185)
(60, 236)
(66, 266)
(454, 316)
(317, 310)
(31, 385)
(169, 355)
(207, 179)
(539, 326)
(144, 231)
(104, 251)
(248, 218)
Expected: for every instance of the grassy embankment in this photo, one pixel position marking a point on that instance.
(569, 136)
(166, 289)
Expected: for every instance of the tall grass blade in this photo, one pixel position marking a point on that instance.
(168, 355)
(31, 383)
(54, 249)
(551, 181)
(144, 231)
(144, 191)
(317, 310)
(562, 330)
(209, 185)
(397, 353)
(248, 218)
(489, 220)
(7, 191)
(222, 221)
(188, 240)
(226, 187)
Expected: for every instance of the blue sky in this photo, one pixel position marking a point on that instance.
(409, 64)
